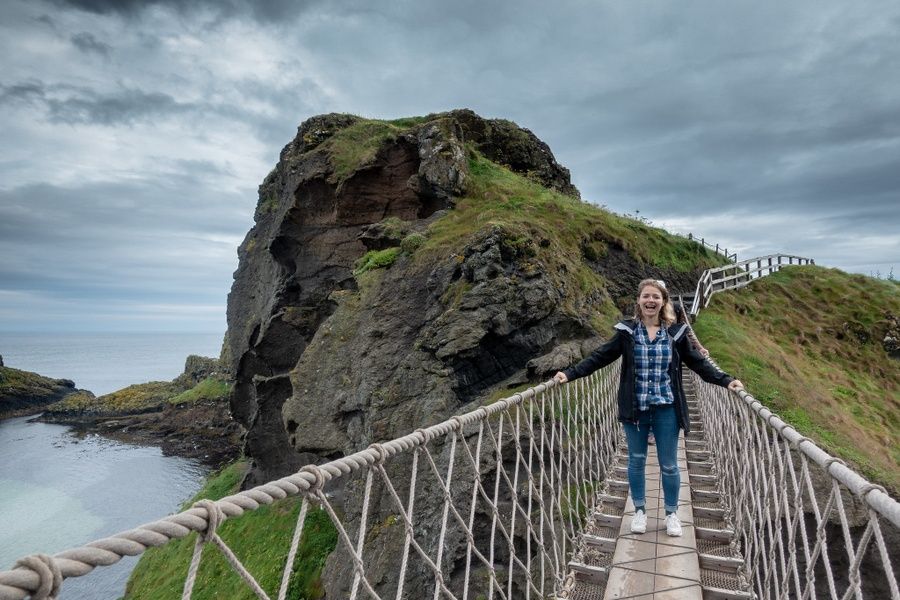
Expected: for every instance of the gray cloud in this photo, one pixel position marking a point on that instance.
(87, 43)
(77, 105)
(117, 243)
(266, 10)
(763, 126)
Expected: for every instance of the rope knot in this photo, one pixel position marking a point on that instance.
(214, 516)
(380, 451)
(863, 492)
(49, 573)
(831, 460)
(457, 423)
(320, 478)
(802, 439)
(424, 434)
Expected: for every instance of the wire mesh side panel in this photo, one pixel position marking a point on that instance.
(803, 533)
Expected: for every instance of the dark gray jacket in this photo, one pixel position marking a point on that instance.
(622, 344)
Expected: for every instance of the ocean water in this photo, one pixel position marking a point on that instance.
(59, 490)
(105, 362)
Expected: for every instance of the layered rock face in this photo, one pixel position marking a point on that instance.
(327, 361)
(296, 262)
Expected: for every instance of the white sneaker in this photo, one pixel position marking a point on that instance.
(673, 525)
(639, 522)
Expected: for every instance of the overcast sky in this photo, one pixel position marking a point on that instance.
(135, 133)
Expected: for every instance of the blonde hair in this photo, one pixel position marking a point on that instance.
(667, 314)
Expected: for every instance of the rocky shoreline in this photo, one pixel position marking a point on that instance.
(203, 430)
(188, 417)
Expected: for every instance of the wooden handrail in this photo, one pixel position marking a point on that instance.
(740, 274)
(717, 249)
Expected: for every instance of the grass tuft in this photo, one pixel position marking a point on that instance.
(211, 388)
(376, 259)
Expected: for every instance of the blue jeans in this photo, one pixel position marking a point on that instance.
(664, 422)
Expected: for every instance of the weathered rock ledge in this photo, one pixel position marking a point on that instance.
(185, 417)
(24, 393)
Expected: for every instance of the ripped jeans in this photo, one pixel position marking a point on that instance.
(664, 422)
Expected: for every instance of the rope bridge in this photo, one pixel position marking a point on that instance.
(516, 481)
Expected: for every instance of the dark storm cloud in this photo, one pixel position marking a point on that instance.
(74, 105)
(118, 241)
(124, 107)
(265, 10)
(87, 43)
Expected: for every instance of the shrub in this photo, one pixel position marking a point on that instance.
(376, 259)
(412, 242)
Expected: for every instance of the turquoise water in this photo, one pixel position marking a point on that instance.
(59, 490)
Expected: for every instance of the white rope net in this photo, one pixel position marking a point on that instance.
(516, 479)
(808, 526)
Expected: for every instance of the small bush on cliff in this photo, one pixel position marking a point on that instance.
(376, 259)
(211, 388)
(412, 242)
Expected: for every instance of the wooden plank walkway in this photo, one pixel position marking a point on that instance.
(653, 565)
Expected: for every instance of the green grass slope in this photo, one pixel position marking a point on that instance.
(807, 342)
(554, 234)
(261, 541)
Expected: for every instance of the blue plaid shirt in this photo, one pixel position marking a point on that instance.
(651, 362)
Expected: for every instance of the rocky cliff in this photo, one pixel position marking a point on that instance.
(400, 271)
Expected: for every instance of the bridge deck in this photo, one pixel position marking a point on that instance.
(653, 565)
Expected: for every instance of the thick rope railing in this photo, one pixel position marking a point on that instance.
(515, 479)
(805, 522)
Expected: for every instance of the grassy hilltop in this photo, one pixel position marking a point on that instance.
(807, 342)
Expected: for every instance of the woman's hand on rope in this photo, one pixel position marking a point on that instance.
(735, 385)
(560, 377)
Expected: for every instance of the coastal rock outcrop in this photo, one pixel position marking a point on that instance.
(24, 392)
(373, 298)
(320, 210)
(187, 416)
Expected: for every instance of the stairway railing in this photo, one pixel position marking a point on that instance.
(740, 274)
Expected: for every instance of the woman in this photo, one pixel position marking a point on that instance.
(651, 397)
